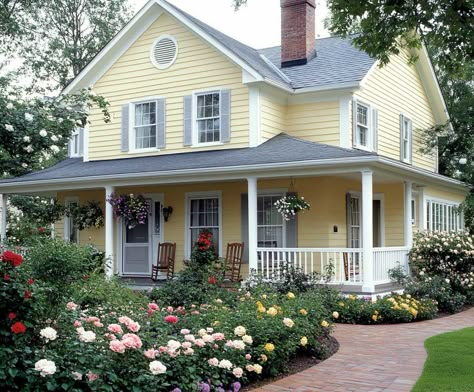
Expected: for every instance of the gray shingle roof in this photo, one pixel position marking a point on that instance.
(280, 149)
(337, 60)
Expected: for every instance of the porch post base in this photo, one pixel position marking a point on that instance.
(109, 234)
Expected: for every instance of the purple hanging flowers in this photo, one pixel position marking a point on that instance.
(133, 209)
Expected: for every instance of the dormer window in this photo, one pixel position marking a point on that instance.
(76, 143)
(364, 130)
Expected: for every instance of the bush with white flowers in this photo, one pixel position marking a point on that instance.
(289, 206)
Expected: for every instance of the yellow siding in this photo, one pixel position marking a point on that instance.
(316, 122)
(445, 194)
(397, 89)
(273, 118)
(198, 67)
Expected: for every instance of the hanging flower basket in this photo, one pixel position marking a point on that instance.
(132, 209)
(86, 216)
(288, 206)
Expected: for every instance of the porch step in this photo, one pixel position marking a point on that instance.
(141, 284)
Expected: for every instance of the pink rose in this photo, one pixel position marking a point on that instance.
(133, 326)
(125, 320)
(169, 309)
(190, 338)
(92, 319)
(248, 357)
(186, 344)
(151, 353)
(218, 336)
(153, 307)
(77, 323)
(115, 328)
(117, 346)
(185, 331)
(213, 361)
(131, 340)
(92, 376)
(238, 372)
(163, 349)
(71, 306)
(199, 343)
(171, 319)
(98, 324)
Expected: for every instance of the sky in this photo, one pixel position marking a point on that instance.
(257, 24)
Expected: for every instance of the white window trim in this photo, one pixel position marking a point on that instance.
(67, 219)
(449, 203)
(370, 127)
(72, 144)
(195, 132)
(409, 141)
(131, 124)
(187, 218)
(274, 192)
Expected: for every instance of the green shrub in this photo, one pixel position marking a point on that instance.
(384, 310)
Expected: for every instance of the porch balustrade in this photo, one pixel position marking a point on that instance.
(343, 264)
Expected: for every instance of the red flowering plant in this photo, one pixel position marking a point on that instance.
(204, 251)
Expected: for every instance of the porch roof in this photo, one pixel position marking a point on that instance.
(280, 149)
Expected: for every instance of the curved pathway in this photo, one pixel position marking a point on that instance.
(373, 358)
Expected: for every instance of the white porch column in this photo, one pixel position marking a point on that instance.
(3, 234)
(109, 233)
(367, 232)
(421, 209)
(407, 214)
(253, 232)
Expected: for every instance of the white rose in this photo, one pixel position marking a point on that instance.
(238, 344)
(225, 364)
(247, 339)
(24, 165)
(87, 336)
(29, 148)
(9, 106)
(54, 138)
(54, 149)
(48, 334)
(156, 367)
(26, 139)
(43, 133)
(240, 331)
(45, 367)
(29, 117)
(9, 127)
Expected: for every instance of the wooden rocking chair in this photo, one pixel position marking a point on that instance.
(233, 262)
(165, 260)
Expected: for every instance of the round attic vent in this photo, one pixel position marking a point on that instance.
(164, 52)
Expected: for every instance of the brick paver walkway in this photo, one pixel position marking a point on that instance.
(385, 358)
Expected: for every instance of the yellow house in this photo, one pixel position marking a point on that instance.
(220, 131)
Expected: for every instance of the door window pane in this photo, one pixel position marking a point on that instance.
(137, 234)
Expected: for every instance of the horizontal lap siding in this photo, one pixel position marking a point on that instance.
(316, 122)
(273, 118)
(397, 89)
(198, 67)
(445, 194)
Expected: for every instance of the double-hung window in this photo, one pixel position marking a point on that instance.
(144, 125)
(76, 142)
(204, 214)
(405, 139)
(208, 117)
(270, 224)
(71, 231)
(364, 130)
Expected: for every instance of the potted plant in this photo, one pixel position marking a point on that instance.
(289, 205)
(133, 209)
(86, 216)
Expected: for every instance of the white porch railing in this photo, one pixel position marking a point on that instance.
(389, 258)
(347, 265)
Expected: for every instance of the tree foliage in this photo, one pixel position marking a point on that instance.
(35, 131)
(58, 38)
(387, 26)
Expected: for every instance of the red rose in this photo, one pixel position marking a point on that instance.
(41, 230)
(27, 294)
(12, 258)
(171, 319)
(12, 316)
(6, 277)
(30, 281)
(18, 327)
(212, 280)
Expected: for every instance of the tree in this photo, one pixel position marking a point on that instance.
(387, 26)
(35, 132)
(60, 37)
(13, 19)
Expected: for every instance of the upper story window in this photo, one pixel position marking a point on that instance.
(405, 139)
(364, 126)
(75, 146)
(208, 117)
(144, 125)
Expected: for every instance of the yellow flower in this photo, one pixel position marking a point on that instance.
(257, 368)
(259, 303)
(269, 347)
(374, 317)
(264, 296)
(264, 358)
(216, 323)
(413, 311)
(288, 322)
(290, 295)
(341, 304)
(272, 311)
(324, 324)
(376, 312)
(335, 315)
(261, 309)
(303, 312)
(352, 297)
(404, 306)
(304, 341)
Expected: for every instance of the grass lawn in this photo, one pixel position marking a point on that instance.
(450, 363)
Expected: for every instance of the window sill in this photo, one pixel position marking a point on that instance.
(365, 148)
(142, 150)
(406, 161)
(198, 145)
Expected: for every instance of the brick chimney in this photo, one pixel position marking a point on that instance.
(297, 32)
